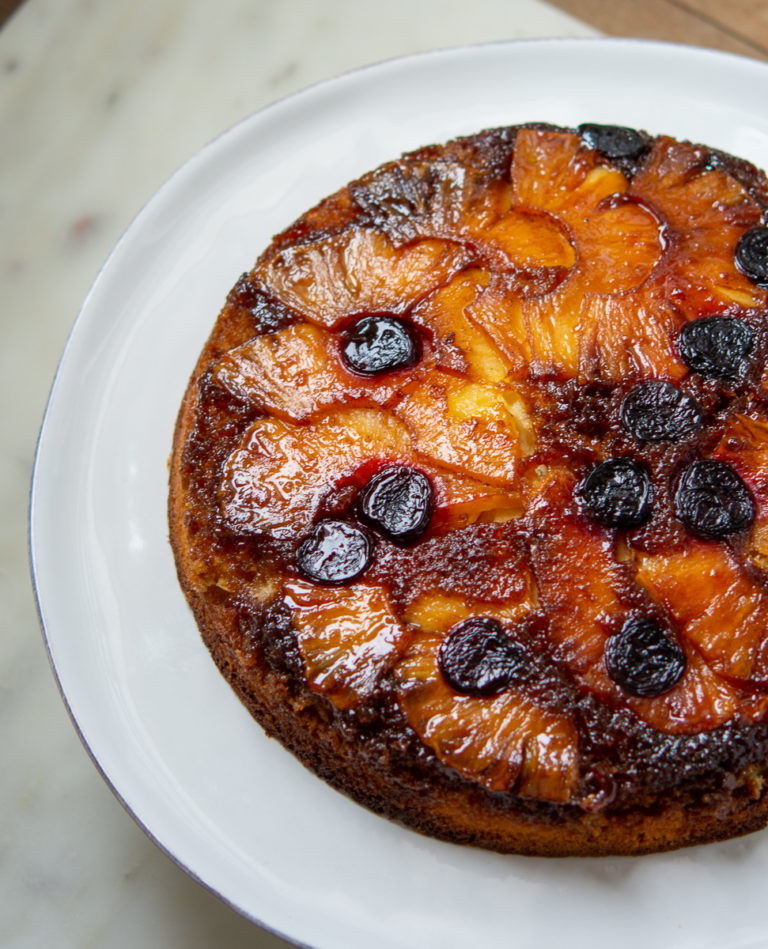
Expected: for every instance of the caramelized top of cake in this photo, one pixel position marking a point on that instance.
(493, 427)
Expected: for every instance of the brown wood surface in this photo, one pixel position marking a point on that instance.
(6, 9)
(738, 26)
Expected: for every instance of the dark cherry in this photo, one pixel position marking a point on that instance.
(712, 500)
(336, 552)
(398, 502)
(718, 346)
(380, 343)
(752, 255)
(613, 141)
(658, 411)
(617, 493)
(642, 659)
(478, 658)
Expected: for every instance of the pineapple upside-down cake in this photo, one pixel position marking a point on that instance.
(469, 491)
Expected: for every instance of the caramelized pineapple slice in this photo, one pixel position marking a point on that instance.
(587, 595)
(504, 742)
(411, 199)
(347, 638)
(446, 415)
(721, 611)
(418, 199)
(296, 373)
(618, 241)
(629, 337)
(618, 245)
(499, 313)
(552, 324)
(528, 239)
(437, 611)
(538, 335)
(358, 271)
(582, 587)
(444, 312)
(701, 700)
(461, 501)
(593, 336)
(679, 180)
(265, 486)
(707, 211)
(744, 446)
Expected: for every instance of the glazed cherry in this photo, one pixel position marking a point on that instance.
(380, 343)
(658, 411)
(752, 255)
(613, 141)
(712, 500)
(718, 346)
(478, 658)
(398, 503)
(617, 493)
(336, 552)
(642, 659)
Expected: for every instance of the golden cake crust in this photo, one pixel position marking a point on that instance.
(617, 773)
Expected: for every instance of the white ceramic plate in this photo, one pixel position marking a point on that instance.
(163, 726)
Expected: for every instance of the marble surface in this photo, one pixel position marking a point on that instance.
(99, 103)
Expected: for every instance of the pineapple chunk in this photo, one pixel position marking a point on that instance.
(691, 196)
(461, 501)
(445, 314)
(358, 271)
(529, 239)
(437, 612)
(720, 610)
(744, 446)
(708, 211)
(264, 485)
(498, 312)
(548, 168)
(295, 373)
(504, 742)
(579, 581)
(347, 638)
(620, 245)
(465, 427)
(629, 337)
(552, 327)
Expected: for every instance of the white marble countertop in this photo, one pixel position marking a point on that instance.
(99, 103)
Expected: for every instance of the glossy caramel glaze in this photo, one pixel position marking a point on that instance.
(542, 285)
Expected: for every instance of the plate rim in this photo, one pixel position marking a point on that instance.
(77, 327)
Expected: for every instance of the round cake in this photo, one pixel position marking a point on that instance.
(469, 491)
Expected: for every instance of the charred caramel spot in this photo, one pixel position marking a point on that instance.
(267, 313)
